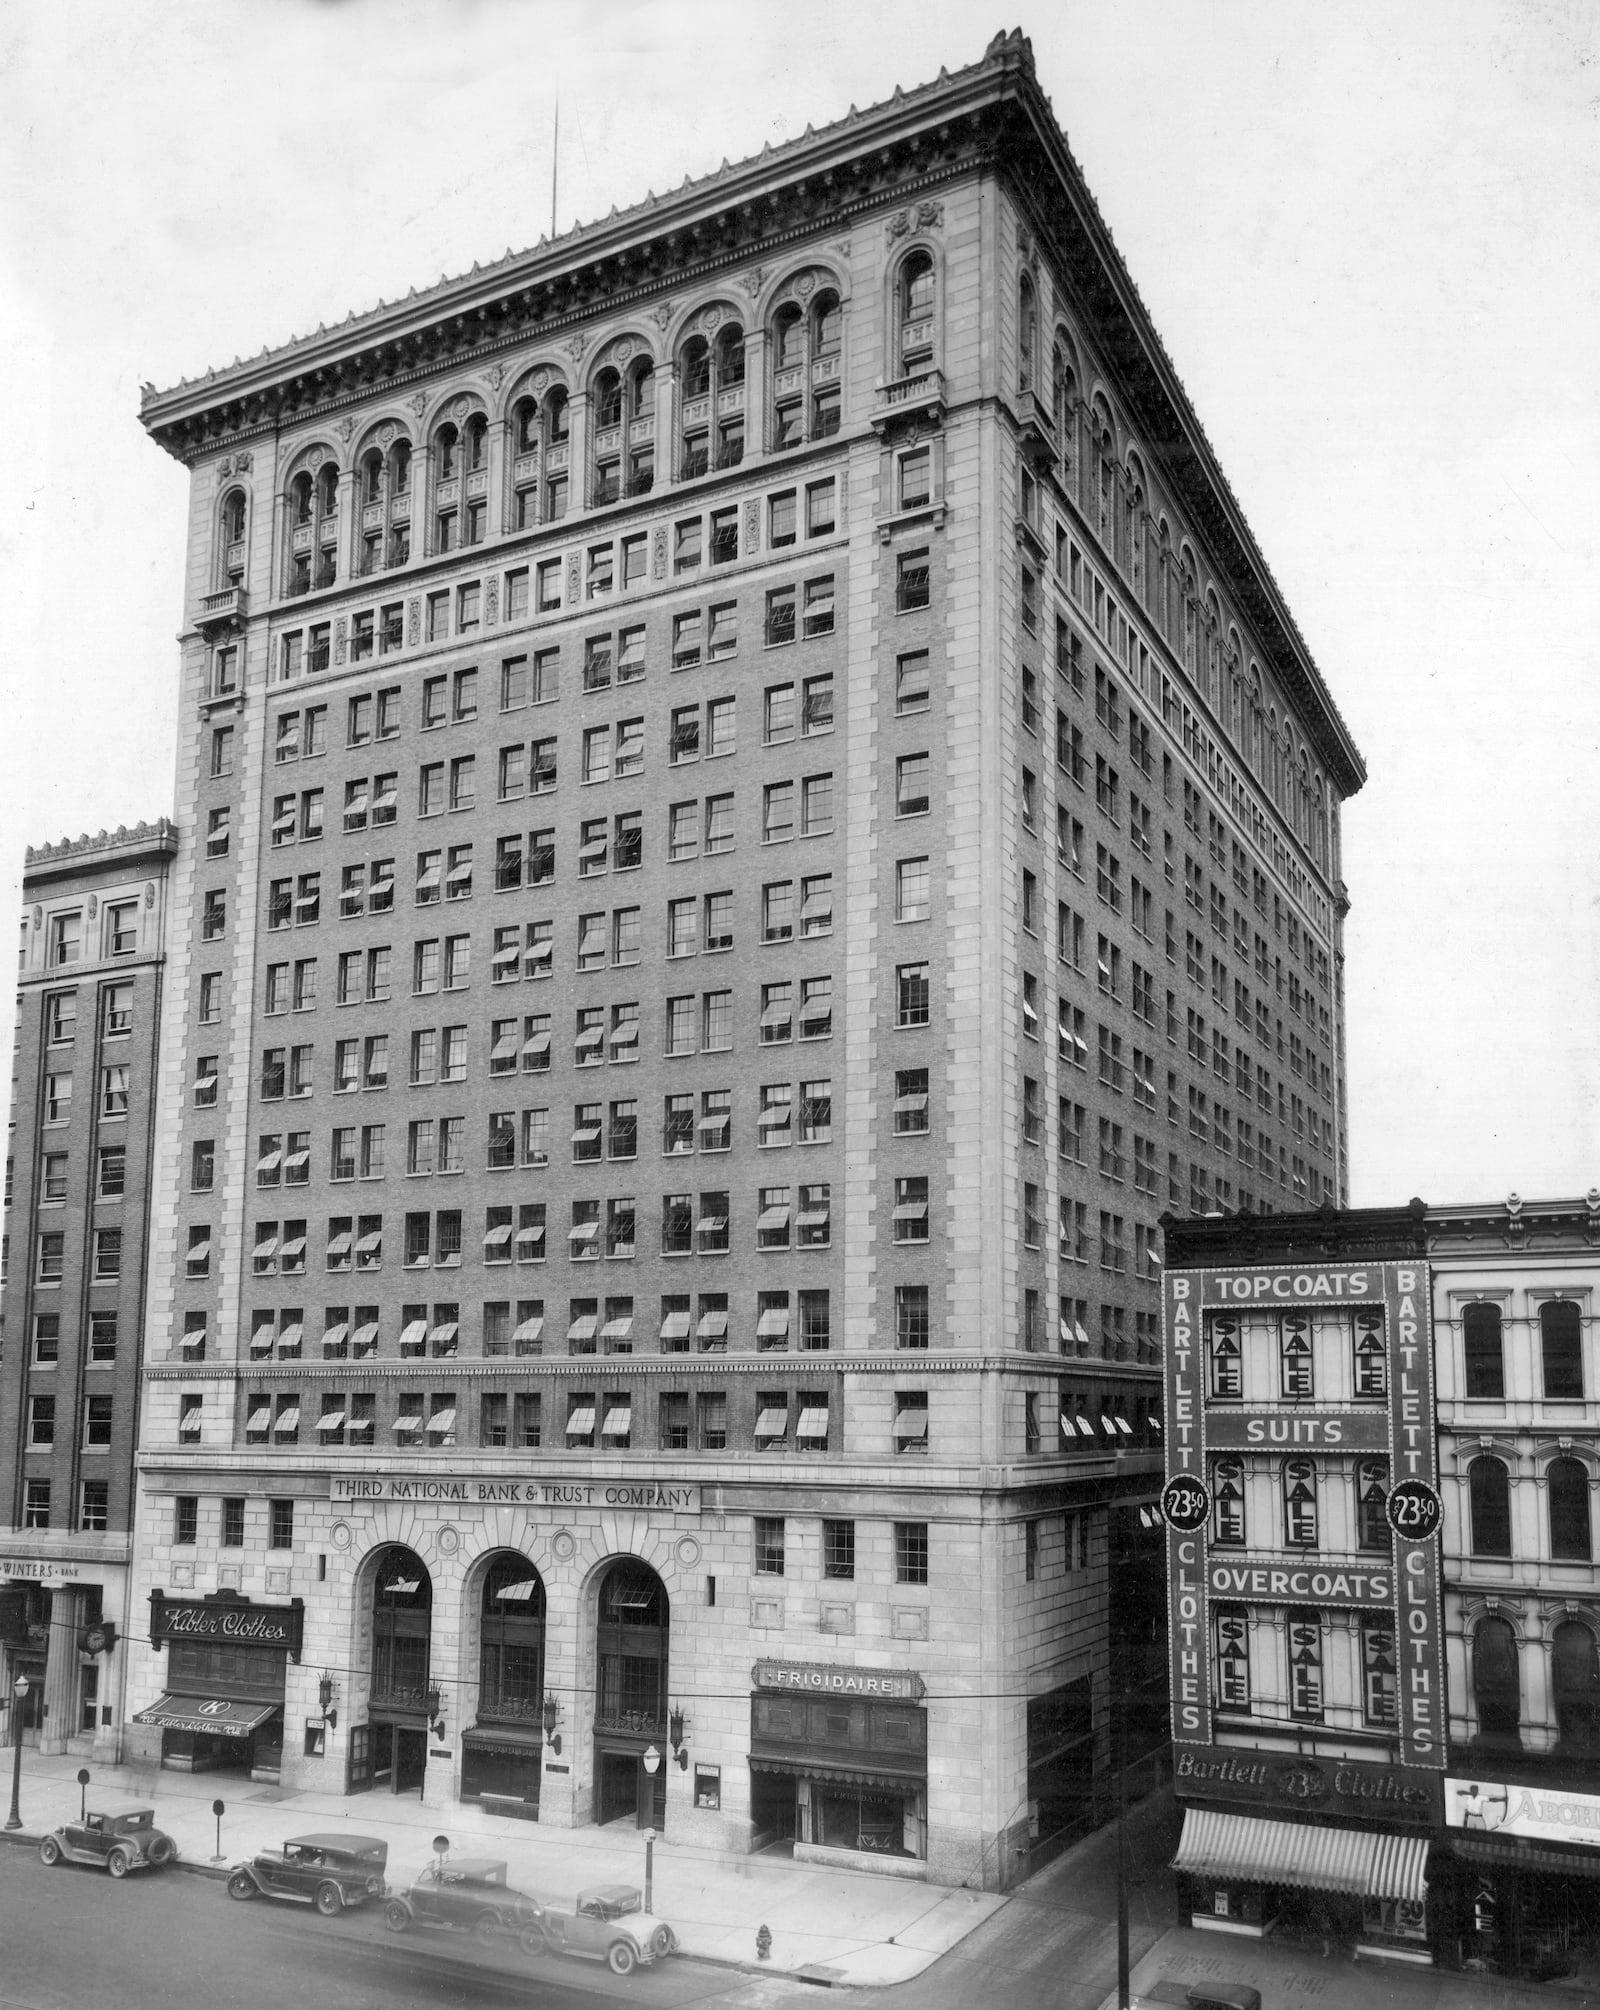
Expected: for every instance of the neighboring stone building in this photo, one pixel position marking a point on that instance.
(752, 812)
(1514, 1312)
(77, 1194)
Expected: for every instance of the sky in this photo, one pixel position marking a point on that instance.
(1367, 234)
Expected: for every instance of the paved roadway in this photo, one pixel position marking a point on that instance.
(76, 1939)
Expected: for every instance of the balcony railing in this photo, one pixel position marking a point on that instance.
(907, 397)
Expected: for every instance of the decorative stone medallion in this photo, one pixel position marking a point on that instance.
(340, 1535)
(563, 1545)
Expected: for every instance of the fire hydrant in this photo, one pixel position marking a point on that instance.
(763, 1943)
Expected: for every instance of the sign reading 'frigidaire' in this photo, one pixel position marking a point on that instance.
(232, 1619)
(1299, 1406)
(819, 1678)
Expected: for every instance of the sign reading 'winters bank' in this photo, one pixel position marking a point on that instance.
(1304, 1385)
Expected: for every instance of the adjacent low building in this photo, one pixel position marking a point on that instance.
(77, 1198)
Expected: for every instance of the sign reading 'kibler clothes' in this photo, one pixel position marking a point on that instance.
(1241, 1394)
(231, 1619)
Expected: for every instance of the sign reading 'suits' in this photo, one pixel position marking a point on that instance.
(1298, 1399)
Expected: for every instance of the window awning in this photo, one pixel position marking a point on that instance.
(583, 1326)
(911, 1425)
(675, 1326)
(194, 1343)
(535, 1046)
(406, 1424)
(911, 1103)
(772, 1423)
(911, 1210)
(813, 1422)
(269, 1161)
(287, 1421)
(224, 1715)
(583, 1231)
(519, 1592)
(586, 1134)
(770, 1219)
(618, 1328)
(590, 1038)
(1537, 1857)
(366, 1336)
(774, 1321)
(369, 1242)
(506, 1046)
(619, 1421)
(712, 1326)
(428, 879)
(296, 1159)
(441, 1422)
(260, 1418)
(444, 1335)
(505, 956)
(530, 1236)
(199, 1252)
(581, 1422)
(498, 1236)
(812, 1217)
(778, 1014)
(331, 1420)
(530, 1329)
(415, 1334)
(261, 1340)
(266, 1247)
(290, 1337)
(1358, 1861)
(293, 1246)
(712, 1224)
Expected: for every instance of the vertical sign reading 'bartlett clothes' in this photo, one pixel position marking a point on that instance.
(1297, 1383)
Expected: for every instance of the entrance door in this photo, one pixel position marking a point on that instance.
(772, 1808)
(620, 1774)
(410, 1759)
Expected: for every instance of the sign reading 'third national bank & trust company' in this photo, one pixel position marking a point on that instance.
(1299, 1385)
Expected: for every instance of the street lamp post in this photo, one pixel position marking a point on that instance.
(19, 1690)
(652, 1762)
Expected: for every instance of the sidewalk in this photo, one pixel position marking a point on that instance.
(1293, 1975)
(857, 1927)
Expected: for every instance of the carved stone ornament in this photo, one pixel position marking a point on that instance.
(687, 1552)
(447, 1540)
(540, 382)
(491, 602)
(242, 463)
(752, 526)
(753, 280)
(316, 457)
(563, 1545)
(94, 907)
(572, 580)
(844, 494)
(711, 320)
(623, 350)
(805, 285)
(413, 622)
(576, 344)
(658, 555)
(346, 428)
(341, 1535)
(495, 375)
(338, 640)
(896, 225)
(386, 434)
(662, 314)
(930, 216)
(38, 917)
(224, 467)
(461, 407)
(418, 403)
(149, 893)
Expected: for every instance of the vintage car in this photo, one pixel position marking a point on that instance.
(118, 1843)
(609, 1924)
(327, 1871)
(472, 1894)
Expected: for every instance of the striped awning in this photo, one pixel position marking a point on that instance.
(1313, 1859)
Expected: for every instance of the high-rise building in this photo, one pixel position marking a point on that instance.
(77, 1193)
(752, 813)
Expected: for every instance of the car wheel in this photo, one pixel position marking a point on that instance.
(50, 1851)
(396, 1917)
(330, 1902)
(662, 1942)
(621, 1957)
(119, 1863)
(532, 1941)
(487, 1928)
(241, 1885)
(163, 1850)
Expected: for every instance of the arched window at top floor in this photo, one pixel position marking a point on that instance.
(460, 452)
(608, 399)
(313, 524)
(539, 433)
(1484, 1353)
(916, 286)
(1027, 333)
(233, 508)
(711, 366)
(1561, 1349)
(805, 341)
(1063, 396)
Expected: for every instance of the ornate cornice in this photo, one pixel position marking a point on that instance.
(121, 848)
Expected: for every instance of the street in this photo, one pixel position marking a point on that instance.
(75, 1939)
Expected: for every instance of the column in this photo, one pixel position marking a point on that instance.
(61, 1673)
(756, 382)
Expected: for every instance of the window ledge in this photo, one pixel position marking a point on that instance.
(929, 513)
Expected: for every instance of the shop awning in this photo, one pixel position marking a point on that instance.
(221, 1715)
(1515, 1854)
(813, 1421)
(1313, 1859)
(773, 1322)
(879, 1771)
(619, 1421)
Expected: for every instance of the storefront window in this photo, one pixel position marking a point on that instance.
(860, 1818)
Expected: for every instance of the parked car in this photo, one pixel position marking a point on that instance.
(472, 1894)
(117, 1843)
(327, 1871)
(609, 1924)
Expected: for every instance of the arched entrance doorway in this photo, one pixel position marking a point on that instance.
(390, 1751)
(502, 1753)
(631, 1694)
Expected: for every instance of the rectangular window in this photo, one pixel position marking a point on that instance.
(913, 897)
(768, 1548)
(911, 1552)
